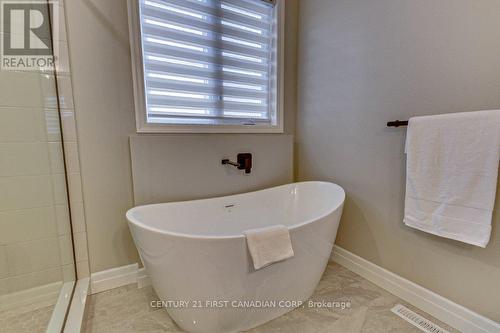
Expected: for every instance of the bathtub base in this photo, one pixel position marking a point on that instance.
(263, 320)
(233, 320)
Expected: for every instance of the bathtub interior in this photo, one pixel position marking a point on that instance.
(290, 205)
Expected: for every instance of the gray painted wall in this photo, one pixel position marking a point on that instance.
(171, 168)
(363, 63)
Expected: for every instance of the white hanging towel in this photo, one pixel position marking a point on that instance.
(269, 245)
(451, 175)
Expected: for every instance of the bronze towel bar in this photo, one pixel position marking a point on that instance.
(397, 123)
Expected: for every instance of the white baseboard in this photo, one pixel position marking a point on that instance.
(117, 277)
(143, 279)
(441, 308)
(113, 278)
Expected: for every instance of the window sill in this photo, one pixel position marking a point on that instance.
(214, 129)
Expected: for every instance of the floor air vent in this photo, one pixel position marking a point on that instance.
(417, 320)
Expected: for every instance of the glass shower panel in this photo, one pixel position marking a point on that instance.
(36, 247)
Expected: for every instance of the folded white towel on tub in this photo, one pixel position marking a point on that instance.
(269, 245)
(451, 178)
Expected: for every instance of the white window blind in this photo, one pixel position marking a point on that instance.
(209, 62)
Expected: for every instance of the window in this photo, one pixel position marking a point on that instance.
(207, 65)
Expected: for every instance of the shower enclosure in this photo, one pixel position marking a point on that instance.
(37, 265)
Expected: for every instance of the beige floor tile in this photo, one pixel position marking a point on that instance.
(20, 321)
(367, 309)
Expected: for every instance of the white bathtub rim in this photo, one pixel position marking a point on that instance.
(132, 220)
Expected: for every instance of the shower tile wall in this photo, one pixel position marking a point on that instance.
(35, 232)
(35, 239)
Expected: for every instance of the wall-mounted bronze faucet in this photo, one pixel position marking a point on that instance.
(244, 162)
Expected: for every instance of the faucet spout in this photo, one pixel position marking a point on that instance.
(244, 162)
(227, 161)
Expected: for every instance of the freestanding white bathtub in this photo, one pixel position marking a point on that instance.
(199, 265)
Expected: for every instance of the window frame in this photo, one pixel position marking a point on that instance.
(142, 126)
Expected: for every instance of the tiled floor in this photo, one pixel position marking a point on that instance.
(127, 309)
(25, 320)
